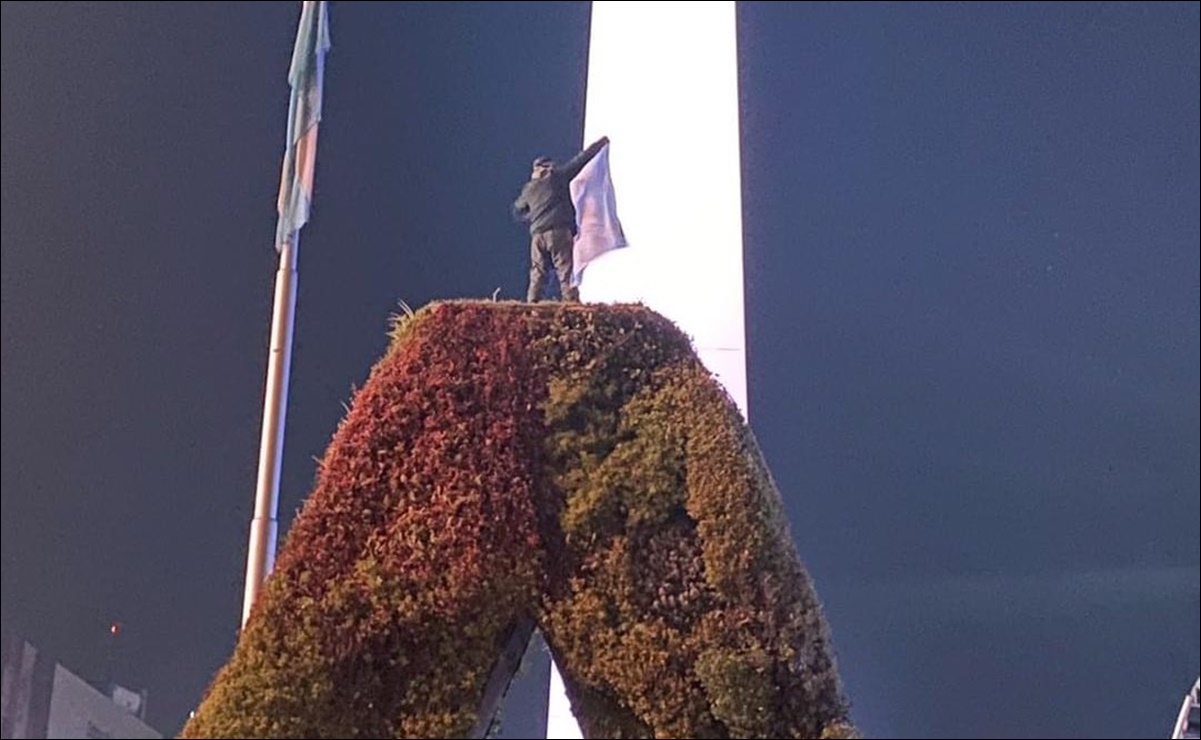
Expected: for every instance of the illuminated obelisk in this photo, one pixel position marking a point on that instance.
(663, 86)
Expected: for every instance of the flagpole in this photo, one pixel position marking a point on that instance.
(264, 527)
(306, 76)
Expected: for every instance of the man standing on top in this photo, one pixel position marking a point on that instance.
(545, 203)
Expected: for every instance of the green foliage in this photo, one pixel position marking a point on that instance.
(741, 689)
(574, 463)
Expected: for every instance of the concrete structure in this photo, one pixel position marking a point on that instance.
(42, 699)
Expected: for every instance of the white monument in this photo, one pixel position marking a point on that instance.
(663, 86)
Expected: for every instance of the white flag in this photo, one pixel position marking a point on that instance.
(598, 228)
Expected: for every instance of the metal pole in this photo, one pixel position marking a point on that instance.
(265, 525)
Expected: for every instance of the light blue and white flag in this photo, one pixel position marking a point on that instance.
(306, 75)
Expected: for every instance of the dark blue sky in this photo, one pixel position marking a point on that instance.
(971, 249)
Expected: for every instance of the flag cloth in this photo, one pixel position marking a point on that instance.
(598, 228)
(306, 76)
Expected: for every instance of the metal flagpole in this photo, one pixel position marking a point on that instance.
(306, 76)
(264, 527)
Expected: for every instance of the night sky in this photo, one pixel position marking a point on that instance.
(971, 253)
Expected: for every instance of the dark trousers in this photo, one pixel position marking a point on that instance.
(552, 246)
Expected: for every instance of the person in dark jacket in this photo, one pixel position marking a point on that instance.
(545, 203)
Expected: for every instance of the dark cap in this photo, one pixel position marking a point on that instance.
(541, 162)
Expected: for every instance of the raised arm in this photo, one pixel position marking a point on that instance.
(572, 168)
(520, 208)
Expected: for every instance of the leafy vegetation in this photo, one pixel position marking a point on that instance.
(574, 463)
